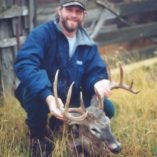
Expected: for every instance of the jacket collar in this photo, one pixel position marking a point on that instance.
(82, 36)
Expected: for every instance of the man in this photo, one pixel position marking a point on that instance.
(61, 44)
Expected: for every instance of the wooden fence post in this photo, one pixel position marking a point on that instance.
(6, 57)
(16, 20)
(32, 14)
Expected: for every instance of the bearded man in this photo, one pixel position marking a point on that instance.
(60, 44)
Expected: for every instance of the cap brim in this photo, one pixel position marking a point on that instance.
(73, 3)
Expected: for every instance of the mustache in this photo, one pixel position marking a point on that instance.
(73, 19)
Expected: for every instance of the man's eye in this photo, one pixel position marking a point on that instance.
(68, 10)
(79, 11)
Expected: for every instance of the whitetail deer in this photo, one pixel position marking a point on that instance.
(89, 128)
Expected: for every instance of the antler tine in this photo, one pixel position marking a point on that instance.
(81, 102)
(81, 109)
(55, 89)
(121, 74)
(99, 99)
(114, 85)
(131, 88)
(68, 115)
(131, 84)
(67, 104)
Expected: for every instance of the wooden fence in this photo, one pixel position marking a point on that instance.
(17, 19)
(107, 21)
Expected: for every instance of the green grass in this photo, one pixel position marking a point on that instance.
(135, 123)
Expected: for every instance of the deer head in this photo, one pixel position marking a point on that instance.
(89, 127)
(93, 135)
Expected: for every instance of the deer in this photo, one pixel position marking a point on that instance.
(89, 128)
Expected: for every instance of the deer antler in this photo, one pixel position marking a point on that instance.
(100, 100)
(115, 85)
(67, 113)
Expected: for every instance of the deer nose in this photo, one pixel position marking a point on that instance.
(115, 147)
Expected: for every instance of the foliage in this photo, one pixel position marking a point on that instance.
(134, 123)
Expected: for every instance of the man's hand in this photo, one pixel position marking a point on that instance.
(50, 100)
(102, 87)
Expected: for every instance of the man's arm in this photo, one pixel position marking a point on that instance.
(28, 64)
(96, 73)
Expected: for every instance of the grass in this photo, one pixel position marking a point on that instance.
(134, 125)
(12, 130)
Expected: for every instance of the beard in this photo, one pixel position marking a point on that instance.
(70, 25)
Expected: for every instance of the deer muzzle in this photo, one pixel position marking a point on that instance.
(115, 147)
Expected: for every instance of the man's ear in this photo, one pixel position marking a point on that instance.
(59, 10)
(85, 13)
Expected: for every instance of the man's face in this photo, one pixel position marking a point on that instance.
(71, 17)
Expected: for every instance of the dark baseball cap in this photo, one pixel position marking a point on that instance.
(66, 3)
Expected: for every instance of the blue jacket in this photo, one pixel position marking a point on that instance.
(46, 50)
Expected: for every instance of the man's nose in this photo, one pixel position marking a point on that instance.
(74, 14)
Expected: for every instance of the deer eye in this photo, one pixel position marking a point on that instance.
(95, 131)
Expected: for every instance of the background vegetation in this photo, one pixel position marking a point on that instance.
(134, 125)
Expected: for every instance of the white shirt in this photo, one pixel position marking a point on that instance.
(72, 45)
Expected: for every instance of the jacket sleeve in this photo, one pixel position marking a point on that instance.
(28, 64)
(95, 69)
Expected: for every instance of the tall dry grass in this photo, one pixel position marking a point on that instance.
(134, 125)
(12, 130)
(136, 122)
